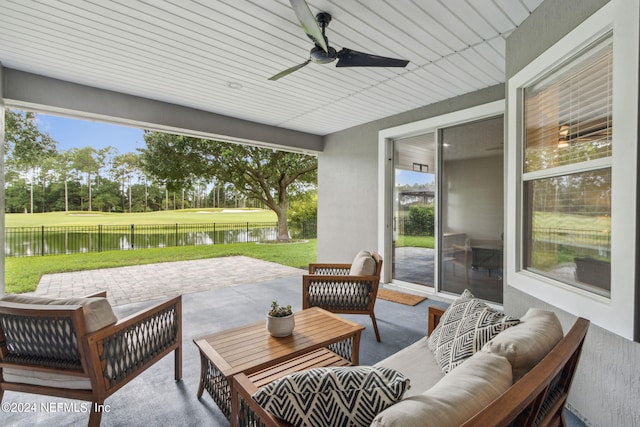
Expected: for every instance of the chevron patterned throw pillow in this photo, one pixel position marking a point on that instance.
(334, 396)
(464, 328)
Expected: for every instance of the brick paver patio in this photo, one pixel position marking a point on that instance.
(151, 281)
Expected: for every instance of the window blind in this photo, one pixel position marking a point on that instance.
(568, 114)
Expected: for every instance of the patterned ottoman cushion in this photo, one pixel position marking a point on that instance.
(334, 396)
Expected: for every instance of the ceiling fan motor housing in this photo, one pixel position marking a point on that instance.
(319, 56)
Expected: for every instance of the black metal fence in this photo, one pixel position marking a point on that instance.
(578, 242)
(34, 241)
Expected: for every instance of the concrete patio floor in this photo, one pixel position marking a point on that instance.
(154, 398)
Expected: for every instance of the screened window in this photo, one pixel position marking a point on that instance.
(567, 171)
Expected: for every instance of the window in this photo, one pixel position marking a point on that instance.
(572, 179)
(567, 171)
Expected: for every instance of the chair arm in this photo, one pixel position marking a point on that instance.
(249, 412)
(435, 313)
(335, 269)
(329, 278)
(539, 397)
(120, 352)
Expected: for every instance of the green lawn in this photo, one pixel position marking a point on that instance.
(571, 221)
(23, 274)
(415, 241)
(183, 216)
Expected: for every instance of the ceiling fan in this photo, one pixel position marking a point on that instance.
(322, 53)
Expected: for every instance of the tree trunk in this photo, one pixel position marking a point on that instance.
(283, 226)
(89, 185)
(122, 192)
(283, 229)
(66, 196)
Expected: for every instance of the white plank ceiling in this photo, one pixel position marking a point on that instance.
(216, 55)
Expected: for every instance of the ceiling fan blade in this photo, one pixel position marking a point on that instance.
(352, 58)
(289, 70)
(309, 23)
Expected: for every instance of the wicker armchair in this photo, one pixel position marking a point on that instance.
(47, 349)
(330, 286)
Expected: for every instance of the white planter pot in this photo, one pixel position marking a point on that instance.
(280, 326)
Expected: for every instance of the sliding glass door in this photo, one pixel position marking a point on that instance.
(442, 203)
(471, 202)
(414, 201)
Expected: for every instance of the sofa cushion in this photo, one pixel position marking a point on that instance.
(418, 364)
(464, 328)
(48, 379)
(97, 311)
(527, 343)
(363, 264)
(333, 396)
(455, 398)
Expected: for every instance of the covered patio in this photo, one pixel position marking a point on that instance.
(202, 69)
(154, 398)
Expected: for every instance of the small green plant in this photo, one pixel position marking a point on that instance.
(278, 311)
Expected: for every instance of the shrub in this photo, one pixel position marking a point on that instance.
(420, 221)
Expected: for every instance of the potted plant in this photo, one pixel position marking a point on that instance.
(280, 320)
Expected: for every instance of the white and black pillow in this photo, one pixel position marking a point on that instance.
(466, 326)
(346, 396)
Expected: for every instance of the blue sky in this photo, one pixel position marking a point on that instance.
(406, 177)
(74, 133)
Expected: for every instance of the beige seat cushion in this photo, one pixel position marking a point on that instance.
(527, 343)
(97, 311)
(24, 376)
(363, 264)
(462, 393)
(417, 363)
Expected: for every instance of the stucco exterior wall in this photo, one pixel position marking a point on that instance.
(606, 387)
(348, 178)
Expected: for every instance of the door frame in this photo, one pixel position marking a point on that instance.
(385, 180)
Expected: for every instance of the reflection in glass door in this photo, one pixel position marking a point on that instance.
(414, 196)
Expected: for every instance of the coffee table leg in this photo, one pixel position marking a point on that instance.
(355, 349)
(203, 369)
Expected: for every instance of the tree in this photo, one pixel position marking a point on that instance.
(124, 167)
(85, 160)
(63, 168)
(266, 175)
(303, 214)
(26, 144)
(107, 196)
(176, 161)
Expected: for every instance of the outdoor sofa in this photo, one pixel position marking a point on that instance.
(522, 376)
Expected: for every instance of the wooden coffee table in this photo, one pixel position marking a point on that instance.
(248, 349)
